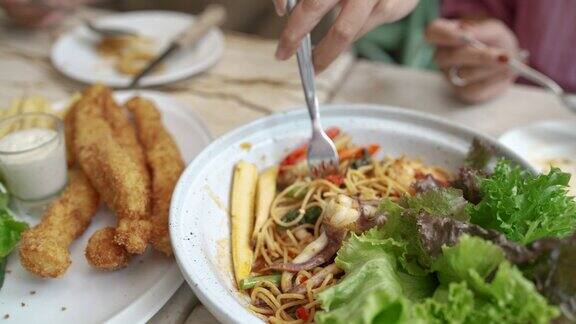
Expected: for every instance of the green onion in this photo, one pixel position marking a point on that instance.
(249, 283)
(312, 214)
(291, 215)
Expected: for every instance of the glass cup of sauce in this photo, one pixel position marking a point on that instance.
(33, 156)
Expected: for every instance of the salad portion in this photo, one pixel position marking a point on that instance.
(394, 240)
(10, 231)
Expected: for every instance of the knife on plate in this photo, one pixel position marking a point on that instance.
(213, 16)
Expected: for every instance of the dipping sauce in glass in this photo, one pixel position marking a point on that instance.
(33, 156)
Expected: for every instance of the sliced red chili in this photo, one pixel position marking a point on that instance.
(353, 153)
(336, 179)
(295, 156)
(302, 313)
(332, 132)
(357, 152)
(300, 152)
(373, 148)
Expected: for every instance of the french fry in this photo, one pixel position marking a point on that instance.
(242, 217)
(33, 104)
(265, 193)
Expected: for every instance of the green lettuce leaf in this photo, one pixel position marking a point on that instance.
(401, 227)
(448, 305)
(375, 288)
(508, 297)
(375, 306)
(525, 207)
(4, 197)
(476, 286)
(511, 298)
(471, 256)
(370, 245)
(10, 229)
(371, 251)
(10, 232)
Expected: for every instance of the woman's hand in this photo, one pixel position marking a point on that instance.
(36, 13)
(355, 18)
(476, 74)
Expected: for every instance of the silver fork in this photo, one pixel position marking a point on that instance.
(322, 155)
(531, 74)
(108, 31)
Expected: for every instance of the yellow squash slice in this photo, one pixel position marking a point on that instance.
(242, 214)
(265, 193)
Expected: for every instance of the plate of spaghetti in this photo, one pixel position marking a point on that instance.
(381, 240)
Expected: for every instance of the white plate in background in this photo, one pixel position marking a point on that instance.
(546, 143)
(74, 55)
(199, 220)
(86, 295)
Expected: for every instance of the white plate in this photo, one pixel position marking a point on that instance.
(74, 55)
(85, 295)
(199, 221)
(543, 142)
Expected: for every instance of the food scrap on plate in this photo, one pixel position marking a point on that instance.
(129, 53)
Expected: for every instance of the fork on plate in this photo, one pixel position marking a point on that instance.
(322, 154)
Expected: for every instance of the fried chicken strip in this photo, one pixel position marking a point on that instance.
(124, 131)
(125, 134)
(114, 174)
(104, 250)
(103, 253)
(165, 164)
(69, 120)
(44, 248)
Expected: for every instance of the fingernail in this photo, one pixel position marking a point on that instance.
(280, 10)
(281, 53)
(504, 59)
(463, 24)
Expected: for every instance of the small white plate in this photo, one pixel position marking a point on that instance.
(199, 219)
(545, 143)
(85, 295)
(74, 55)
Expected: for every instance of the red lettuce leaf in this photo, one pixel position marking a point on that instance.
(435, 232)
(554, 274)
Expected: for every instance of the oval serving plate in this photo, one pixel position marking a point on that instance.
(130, 295)
(199, 221)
